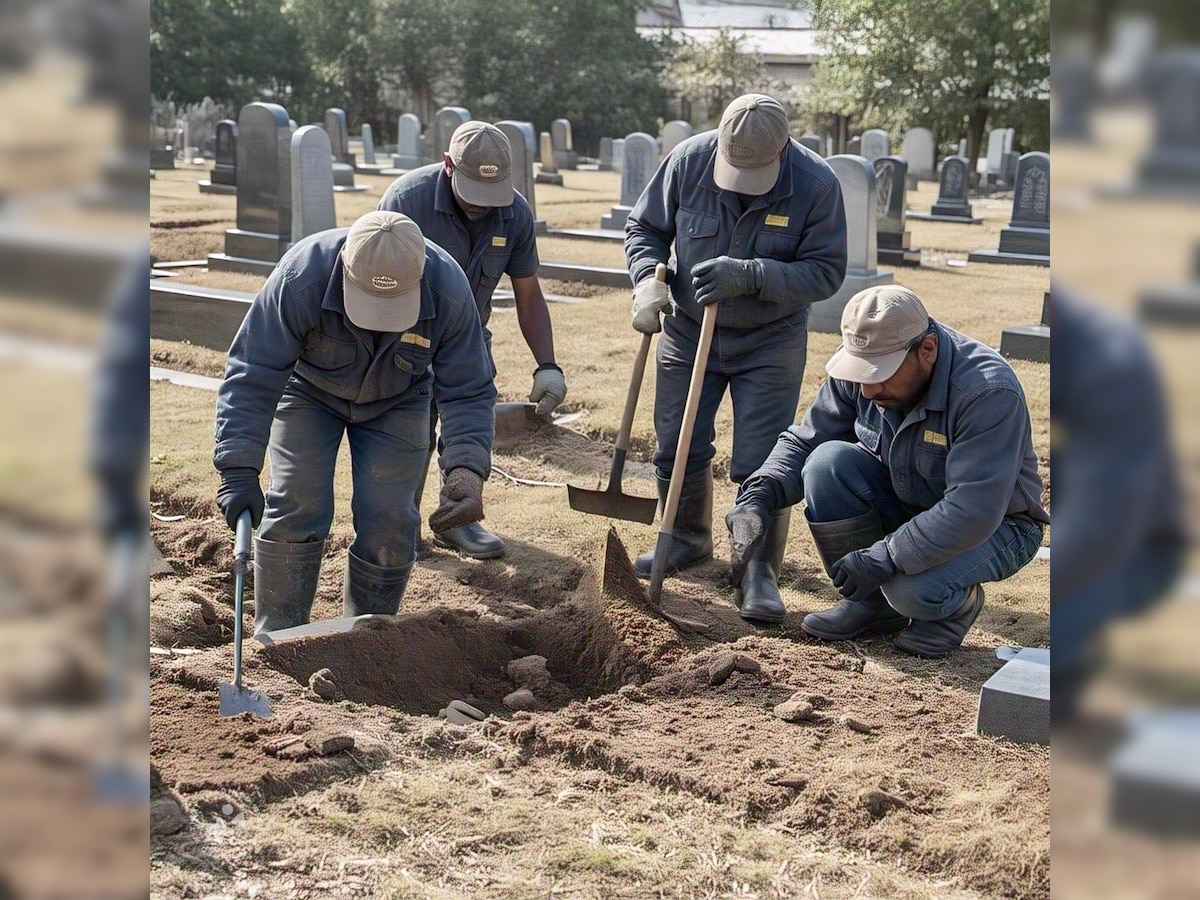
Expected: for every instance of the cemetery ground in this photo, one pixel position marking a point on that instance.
(645, 767)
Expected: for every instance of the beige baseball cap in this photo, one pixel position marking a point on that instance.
(482, 160)
(754, 128)
(383, 259)
(878, 327)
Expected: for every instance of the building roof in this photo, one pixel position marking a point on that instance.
(759, 14)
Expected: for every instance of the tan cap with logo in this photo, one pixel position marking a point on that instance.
(878, 327)
(482, 160)
(754, 128)
(383, 259)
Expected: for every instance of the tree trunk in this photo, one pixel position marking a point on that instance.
(976, 122)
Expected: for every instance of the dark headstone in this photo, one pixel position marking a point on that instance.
(1073, 80)
(952, 204)
(1173, 163)
(1026, 239)
(223, 177)
(891, 191)
(339, 135)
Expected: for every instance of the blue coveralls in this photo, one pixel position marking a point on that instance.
(798, 230)
(300, 375)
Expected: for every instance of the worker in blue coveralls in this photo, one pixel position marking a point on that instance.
(756, 223)
(466, 205)
(354, 334)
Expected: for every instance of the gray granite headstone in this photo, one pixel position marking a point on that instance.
(1155, 775)
(875, 144)
(312, 182)
(368, 144)
(891, 189)
(812, 142)
(339, 135)
(445, 123)
(674, 133)
(565, 156)
(1172, 164)
(618, 157)
(1073, 81)
(1015, 702)
(606, 155)
(1000, 141)
(549, 173)
(638, 167)
(1026, 239)
(854, 146)
(223, 177)
(408, 143)
(522, 163)
(920, 152)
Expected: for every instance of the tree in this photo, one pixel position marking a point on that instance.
(710, 74)
(952, 65)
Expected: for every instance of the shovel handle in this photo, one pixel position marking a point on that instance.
(241, 550)
(631, 400)
(679, 464)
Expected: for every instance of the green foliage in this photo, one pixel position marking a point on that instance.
(956, 66)
(711, 73)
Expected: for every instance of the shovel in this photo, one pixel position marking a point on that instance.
(236, 699)
(612, 502)
(662, 548)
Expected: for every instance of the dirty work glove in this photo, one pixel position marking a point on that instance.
(240, 491)
(860, 573)
(747, 524)
(461, 501)
(650, 298)
(549, 388)
(725, 277)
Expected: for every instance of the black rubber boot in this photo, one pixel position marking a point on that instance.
(285, 583)
(931, 639)
(850, 618)
(760, 584)
(472, 540)
(371, 589)
(693, 525)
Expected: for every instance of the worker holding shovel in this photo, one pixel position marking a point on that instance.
(354, 333)
(756, 223)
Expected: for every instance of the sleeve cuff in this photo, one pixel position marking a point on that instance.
(239, 453)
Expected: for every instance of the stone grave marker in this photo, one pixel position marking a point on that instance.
(1031, 342)
(223, 177)
(606, 155)
(891, 190)
(1172, 165)
(522, 165)
(962, 148)
(812, 142)
(445, 123)
(674, 133)
(618, 159)
(1155, 775)
(1174, 304)
(312, 182)
(1000, 141)
(638, 167)
(875, 144)
(1025, 241)
(408, 143)
(339, 135)
(565, 156)
(854, 146)
(952, 204)
(1015, 702)
(919, 150)
(549, 173)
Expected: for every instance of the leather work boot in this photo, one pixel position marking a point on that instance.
(693, 525)
(933, 638)
(285, 583)
(850, 618)
(760, 600)
(472, 540)
(372, 589)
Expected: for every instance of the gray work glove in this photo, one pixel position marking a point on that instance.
(724, 277)
(461, 501)
(747, 523)
(238, 492)
(860, 573)
(549, 388)
(650, 298)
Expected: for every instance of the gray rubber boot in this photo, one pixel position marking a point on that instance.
(285, 583)
(693, 525)
(850, 618)
(760, 584)
(372, 589)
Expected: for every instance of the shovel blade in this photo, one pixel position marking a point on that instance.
(612, 504)
(311, 629)
(236, 700)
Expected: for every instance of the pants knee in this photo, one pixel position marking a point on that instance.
(916, 598)
(824, 475)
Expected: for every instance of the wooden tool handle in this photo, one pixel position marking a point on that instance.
(679, 465)
(635, 383)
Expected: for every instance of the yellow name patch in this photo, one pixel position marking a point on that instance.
(932, 437)
(410, 337)
(777, 221)
(498, 240)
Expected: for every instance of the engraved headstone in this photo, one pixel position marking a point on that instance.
(952, 204)
(875, 144)
(640, 160)
(312, 182)
(522, 164)
(920, 152)
(223, 177)
(1026, 239)
(891, 187)
(674, 133)
(565, 156)
(549, 173)
(408, 143)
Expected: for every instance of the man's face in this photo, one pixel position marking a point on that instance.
(908, 385)
(470, 210)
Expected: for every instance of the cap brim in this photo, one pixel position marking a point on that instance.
(398, 313)
(846, 367)
(745, 181)
(483, 193)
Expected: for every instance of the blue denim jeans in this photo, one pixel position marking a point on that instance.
(761, 367)
(387, 455)
(843, 480)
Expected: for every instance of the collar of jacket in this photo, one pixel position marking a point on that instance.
(783, 184)
(335, 300)
(937, 396)
(443, 199)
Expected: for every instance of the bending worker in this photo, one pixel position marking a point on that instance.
(354, 333)
(917, 469)
(468, 207)
(756, 221)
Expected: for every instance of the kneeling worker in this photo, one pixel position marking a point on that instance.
(354, 333)
(916, 464)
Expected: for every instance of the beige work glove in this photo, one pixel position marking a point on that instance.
(650, 297)
(461, 501)
(549, 388)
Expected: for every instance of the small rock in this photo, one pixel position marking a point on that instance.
(747, 665)
(856, 725)
(288, 747)
(529, 672)
(167, 817)
(792, 781)
(327, 744)
(796, 709)
(879, 802)
(467, 709)
(520, 700)
(441, 714)
(721, 667)
(322, 684)
(458, 717)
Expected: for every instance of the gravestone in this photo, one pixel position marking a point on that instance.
(445, 123)
(812, 142)
(891, 190)
(1172, 165)
(565, 156)
(1031, 342)
(549, 173)
(1174, 304)
(339, 135)
(1025, 241)
(1155, 775)
(639, 163)
(1015, 702)
(1008, 168)
(522, 165)
(952, 204)
(920, 152)
(606, 155)
(1073, 81)
(1000, 141)
(618, 158)
(875, 144)
(312, 182)
(854, 146)
(368, 144)
(408, 143)
(962, 148)
(857, 178)
(674, 133)
(223, 177)
(264, 196)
